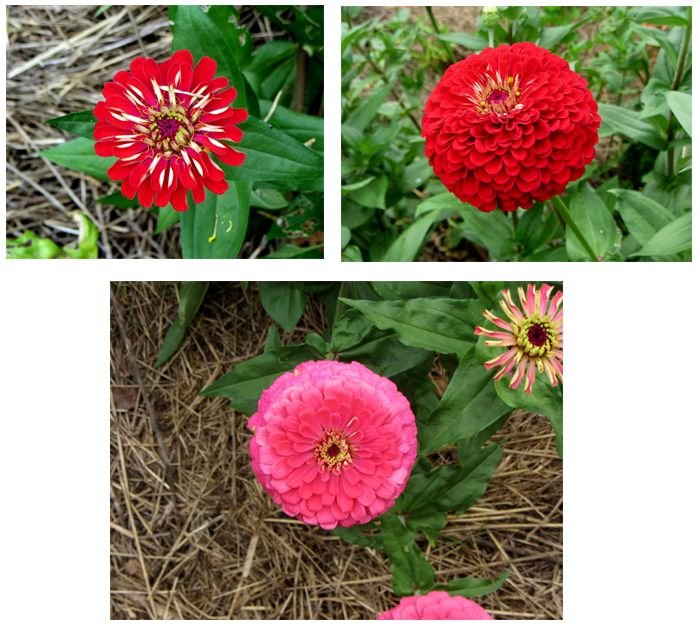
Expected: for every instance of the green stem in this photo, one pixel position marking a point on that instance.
(395, 94)
(514, 216)
(677, 77)
(491, 39)
(433, 21)
(564, 213)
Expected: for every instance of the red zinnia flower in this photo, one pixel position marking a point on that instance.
(509, 126)
(162, 120)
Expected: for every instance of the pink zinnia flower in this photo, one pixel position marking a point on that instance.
(534, 337)
(164, 121)
(436, 605)
(334, 443)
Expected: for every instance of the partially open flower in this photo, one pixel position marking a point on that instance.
(164, 121)
(334, 443)
(436, 605)
(510, 126)
(534, 337)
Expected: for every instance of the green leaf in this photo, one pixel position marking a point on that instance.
(596, 223)
(118, 200)
(81, 123)
(468, 406)
(363, 115)
(472, 42)
(544, 400)
(552, 35)
(191, 297)
(429, 524)
(268, 199)
(450, 488)
(621, 120)
(210, 34)
(410, 569)
(386, 355)
(302, 127)
(487, 229)
(366, 535)
(247, 380)
(216, 228)
(30, 246)
(79, 155)
(472, 588)
(284, 302)
(642, 215)
(680, 104)
(410, 242)
(167, 217)
(275, 156)
(662, 16)
(372, 194)
(87, 239)
(676, 237)
(410, 290)
(292, 251)
(440, 325)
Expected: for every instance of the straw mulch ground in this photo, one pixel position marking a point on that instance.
(198, 538)
(58, 60)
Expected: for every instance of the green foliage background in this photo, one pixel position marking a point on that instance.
(632, 203)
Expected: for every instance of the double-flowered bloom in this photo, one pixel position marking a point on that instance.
(164, 122)
(510, 126)
(436, 605)
(334, 443)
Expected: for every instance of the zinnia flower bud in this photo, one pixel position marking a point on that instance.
(334, 443)
(163, 121)
(510, 126)
(436, 605)
(534, 337)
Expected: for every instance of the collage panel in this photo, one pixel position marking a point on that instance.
(533, 134)
(145, 131)
(336, 450)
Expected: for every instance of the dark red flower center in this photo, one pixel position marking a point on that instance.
(168, 128)
(537, 334)
(496, 97)
(333, 451)
(497, 94)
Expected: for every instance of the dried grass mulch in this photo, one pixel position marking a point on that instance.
(198, 538)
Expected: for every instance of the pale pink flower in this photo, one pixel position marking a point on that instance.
(334, 443)
(534, 337)
(436, 605)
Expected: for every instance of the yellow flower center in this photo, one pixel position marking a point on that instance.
(333, 451)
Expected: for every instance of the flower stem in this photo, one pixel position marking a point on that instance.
(565, 214)
(433, 21)
(677, 77)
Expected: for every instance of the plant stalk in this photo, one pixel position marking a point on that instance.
(433, 21)
(677, 77)
(565, 214)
